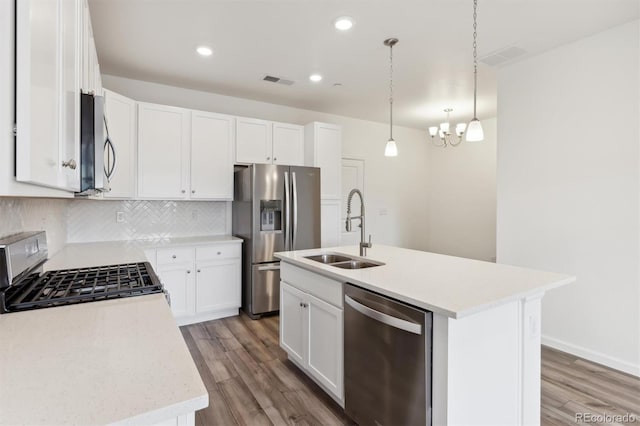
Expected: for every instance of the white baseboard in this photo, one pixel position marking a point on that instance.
(597, 357)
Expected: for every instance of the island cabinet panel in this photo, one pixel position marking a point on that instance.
(325, 344)
(204, 282)
(292, 328)
(311, 327)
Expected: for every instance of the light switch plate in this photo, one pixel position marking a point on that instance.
(119, 217)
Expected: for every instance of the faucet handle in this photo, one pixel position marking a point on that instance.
(368, 245)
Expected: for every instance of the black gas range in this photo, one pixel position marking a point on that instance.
(23, 286)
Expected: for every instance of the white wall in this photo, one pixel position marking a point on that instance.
(462, 197)
(568, 188)
(398, 185)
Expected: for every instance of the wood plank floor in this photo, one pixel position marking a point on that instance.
(251, 382)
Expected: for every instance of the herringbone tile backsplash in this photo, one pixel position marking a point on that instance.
(95, 220)
(35, 214)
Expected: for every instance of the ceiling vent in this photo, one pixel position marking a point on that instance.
(502, 56)
(278, 80)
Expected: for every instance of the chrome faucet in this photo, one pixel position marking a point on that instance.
(364, 245)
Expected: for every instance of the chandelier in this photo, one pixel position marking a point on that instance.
(445, 137)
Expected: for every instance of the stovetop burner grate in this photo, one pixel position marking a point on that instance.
(64, 287)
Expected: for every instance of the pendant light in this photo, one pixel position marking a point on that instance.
(391, 150)
(474, 130)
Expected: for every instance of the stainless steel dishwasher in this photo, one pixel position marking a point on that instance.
(387, 360)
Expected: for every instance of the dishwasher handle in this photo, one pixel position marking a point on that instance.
(389, 320)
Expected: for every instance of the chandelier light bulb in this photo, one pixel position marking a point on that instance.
(444, 127)
(433, 130)
(460, 128)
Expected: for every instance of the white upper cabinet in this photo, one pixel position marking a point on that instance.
(323, 148)
(288, 144)
(253, 141)
(212, 138)
(120, 154)
(163, 152)
(48, 63)
(266, 142)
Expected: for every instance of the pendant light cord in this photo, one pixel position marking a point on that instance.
(391, 92)
(475, 57)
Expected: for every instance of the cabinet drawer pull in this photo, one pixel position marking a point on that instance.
(219, 253)
(275, 159)
(174, 256)
(188, 271)
(268, 158)
(193, 191)
(198, 271)
(183, 191)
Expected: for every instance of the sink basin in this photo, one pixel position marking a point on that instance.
(356, 264)
(329, 258)
(343, 262)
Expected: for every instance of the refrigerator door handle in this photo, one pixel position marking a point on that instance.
(287, 214)
(295, 210)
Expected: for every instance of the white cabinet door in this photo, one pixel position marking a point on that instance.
(329, 159)
(70, 51)
(163, 152)
(120, 115)
(218, 286)
(47, 92)
(288, 144)
(325, 352)
(253, 141)
(212, 156)
(331, 224)
(293, 334)
(178, 280)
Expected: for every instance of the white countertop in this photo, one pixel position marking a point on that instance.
(80, 255)
(452, 286)
(118, 361)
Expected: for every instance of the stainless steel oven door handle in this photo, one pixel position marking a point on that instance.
(389, 320)
(269, 268)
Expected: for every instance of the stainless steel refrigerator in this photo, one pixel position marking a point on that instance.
(275, 208)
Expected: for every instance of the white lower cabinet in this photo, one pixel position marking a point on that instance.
(213, 292)
(203, 282)
(311, 334)
(178, 281)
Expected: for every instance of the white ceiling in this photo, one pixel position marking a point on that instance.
(155, 40)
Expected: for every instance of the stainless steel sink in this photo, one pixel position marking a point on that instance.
(356, 264)
(343, 262)
(329, 258)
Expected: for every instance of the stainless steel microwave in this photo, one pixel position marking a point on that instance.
(93, 174)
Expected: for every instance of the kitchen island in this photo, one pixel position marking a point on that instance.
(486, 326)
(120, 361)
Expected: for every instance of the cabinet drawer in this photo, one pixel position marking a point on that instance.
(223, 251)
(315, 284)
(174, 255)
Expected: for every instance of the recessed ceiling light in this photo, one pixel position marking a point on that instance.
(204, 50)
(315, 77)
(343, 23)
